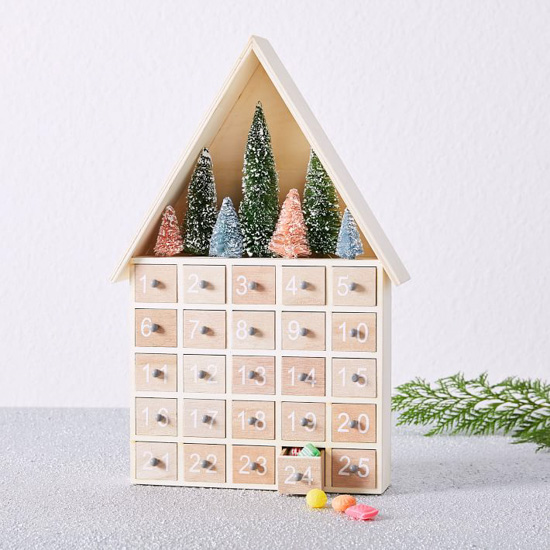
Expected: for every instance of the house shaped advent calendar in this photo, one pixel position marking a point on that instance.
(238, 362)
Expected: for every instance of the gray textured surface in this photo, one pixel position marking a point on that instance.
(64, 484)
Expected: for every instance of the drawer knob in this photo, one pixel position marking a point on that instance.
(251, 374)
(298, 476)
(155, 327)
(303, 377)
(353, 333)
(352, 286)
(251, 331)
(204, 329)
(205, 464)
(304, 285)
(353, 424)
(205, 419)
(303, 331)
(155, 283)
(154, 461)
(254, 466)
(355, 377)
(304, 421)
(160, 417)
(354, 468)
(252, 285)
(252, 421)
(156, 373)
(202, 374)
(203, 284)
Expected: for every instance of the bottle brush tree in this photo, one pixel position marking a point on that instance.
(169, 240)
(201, 207)
(321, 211)
(290, 237)
(227, 239)
(259, 207)
(349, 244)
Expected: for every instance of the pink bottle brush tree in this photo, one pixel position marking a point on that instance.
(169, 239)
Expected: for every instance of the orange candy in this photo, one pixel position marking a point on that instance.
(343, 502)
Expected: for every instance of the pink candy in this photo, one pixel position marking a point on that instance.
(362, 511)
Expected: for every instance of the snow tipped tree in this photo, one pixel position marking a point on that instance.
(201, 207)
(290, 237)
(259, 207)
(227, 239)
(321, 211)
(169, 240)
(349, 244)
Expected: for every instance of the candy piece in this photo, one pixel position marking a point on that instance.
(310, 450)
(362, 511)
(343, 502)
(295, 451)
(316, 498)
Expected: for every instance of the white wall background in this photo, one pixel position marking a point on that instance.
(440, 110)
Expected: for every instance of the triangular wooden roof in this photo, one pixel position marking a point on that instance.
(259, 54)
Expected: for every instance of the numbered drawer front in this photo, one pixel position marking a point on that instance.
(354, 423)
(303, 421)
(156, 283)
(354, 377)
(155, 416)
(203, 418)
(203, 329)
(253, 284)
(253, 330)
(253, 374)
(303, 376)
(303, 330)
(156, 372)
(354, 331)
(304, 286)
(354, 286)
(204, 463)
(204, 373)
(253, 464)
(156, 461)
(156, 328)
(253, 420)
(297, 475)
(203, 284)
(354, 468)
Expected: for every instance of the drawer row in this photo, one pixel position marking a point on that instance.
(206, 418)
(255, 284)
(255, 465)
(255, 330)
(250, 374)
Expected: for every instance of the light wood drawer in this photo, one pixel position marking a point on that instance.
(253, 464)
(156, 328)
(156, 283)
(253, 284)
(303, 376)
(156, 461)
(156, 372)
(303, 330)
(204, 373)
(354, 332)
(297, 475)
(253, 420)
(354, 423)
(204, 463)
(354, 286)
(303, 421)
(203, 284)
(253, 330)
(204, 418)
(304, 286)
(253, 374)
(354, 468)
(203, 329)
(353, 377)
(156, 416)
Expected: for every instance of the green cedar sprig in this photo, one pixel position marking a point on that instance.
(516, 407)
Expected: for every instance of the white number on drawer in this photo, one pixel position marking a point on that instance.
(148, 455)
(242, 330)
(147, 369)
(309, 427)
(146, 325)
(360, 371)
(144, 280)
(195, 324)
(291, 479)
(243, 285)
(211, 418)
(343, 287)
(211, 459)
(245, 469)
(194, 288)
(162, 411)
(362, 332)
(293, 330)
(259, 378)
(260, 420)
(291, 285)
(363, 465)
(363, 423)
(212, 371)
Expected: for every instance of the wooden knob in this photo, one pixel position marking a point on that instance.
(354, 468)
(302, 377)
(155, 327)
(204, 329)
(156, 373)
(254, 466)
(155, 283)
(203, 284)
(251, 374)
(353, 424)
(303, 331)
(304, 285)
(205, 419)
(205, 464)
(252, 285)
(160, 417)
(252, 421)
(353, 333)
(304, 421)
(298, 476)
(154, 461)
(355, 377)
(202, 374)
(352, 286)
(251, 331)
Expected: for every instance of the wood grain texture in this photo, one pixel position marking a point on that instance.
(311, 470)
(263, 323)
(344, 369)
(213, 368)
(156, 283)
(344, 413)
(365, 462)
(193, 456)
(263, 367)
(147, 409)
(363, 323)
(194, 423)
(292, 414)
(263, 276)
(167, 333)
(194, 320)
(364, 293)
(213, 276)
(313, 295)
(165, 453)
(294, 368)
(263, 412)
(145, 369)
(263, 457)
(292, 322)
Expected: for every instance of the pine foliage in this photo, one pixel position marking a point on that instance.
(201, 207)
(517, 407)
(349, 244)
(169, 240)
(259, 207)
(227, 239)
(321, 211)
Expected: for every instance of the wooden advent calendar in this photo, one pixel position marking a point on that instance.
(235, 362)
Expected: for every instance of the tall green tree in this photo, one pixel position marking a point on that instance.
(259, 207)
(321, 210)
(201, 214)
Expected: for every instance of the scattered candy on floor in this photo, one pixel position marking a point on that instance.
(316, 498)
(362, 511)
(343, 502)
(310, 450)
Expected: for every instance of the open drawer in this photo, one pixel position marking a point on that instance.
(296, 475)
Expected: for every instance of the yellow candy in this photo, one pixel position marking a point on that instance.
(316, 498)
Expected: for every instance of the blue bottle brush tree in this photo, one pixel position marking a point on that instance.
(227, 238)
